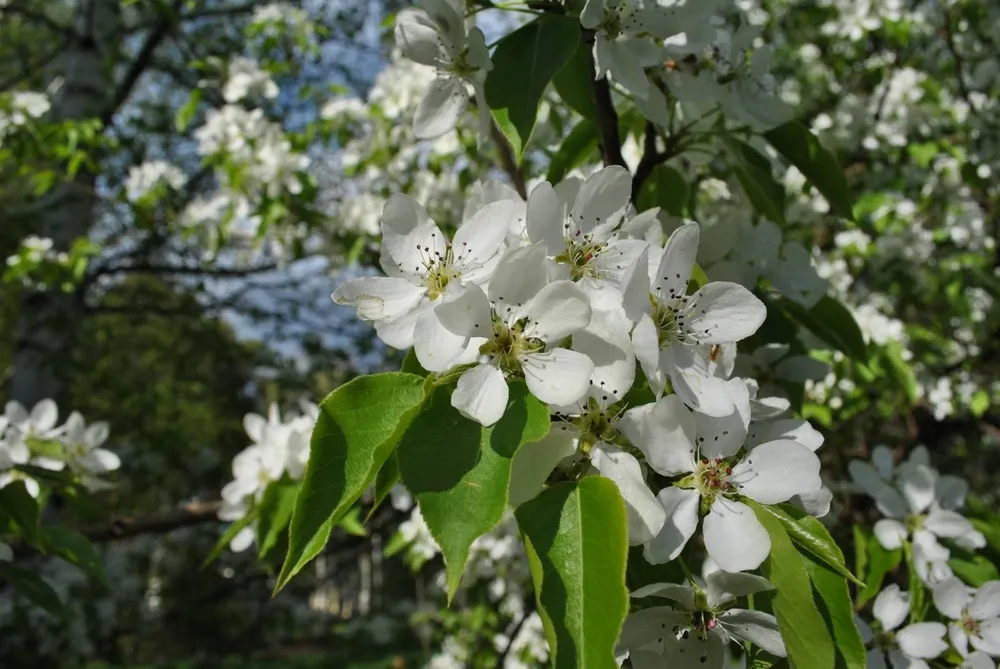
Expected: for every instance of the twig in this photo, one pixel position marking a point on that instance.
(607, 117)
(949, 34)
(139, 65)
(40, 18)
(507, 160)
(650, 159)
(528, 610)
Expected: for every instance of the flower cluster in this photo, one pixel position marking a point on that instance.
(34, 439)
(558, 293)
(279, 451)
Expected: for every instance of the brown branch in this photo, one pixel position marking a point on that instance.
(651, 157)
(141, 62)
(607, 117)
(949, 34)
(41, 18)
(186, 515)
(508, 161)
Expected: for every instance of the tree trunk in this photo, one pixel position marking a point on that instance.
(49, 319)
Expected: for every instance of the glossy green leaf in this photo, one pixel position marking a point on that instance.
(524, 63)
(229, 535)
(579, 144)
(22, 508)
(880, 562)
(753, 171)
(812, 537)
(665, 188)
(33, 587)
(459, 471)
(274, 512)
(802, 627)
(973, 569)
(385, 480)
(576, 536)
(359, 425)
(816, 162)
(351, 523)
(830, 320)
(575, 82)
(75, 549)
(838, 611)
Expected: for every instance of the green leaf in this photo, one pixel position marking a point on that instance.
(802, 627)
(665, 188)
(918, 596)
(184, 115)
(839, 613)
(880, 563)
(387, 477)
(229, 535)
(75, 549)
(861, 539)
(575, 82)
(830, 320)
(351, 523)
(524, 63)
(411, 365)
(23, 509)
(574, 150)
(753, 171)
(810, 535)
(816, 162)
(577, 542)
(274, 512)
(459, 471)
(34, 588)
(974, 569)
(359, 425)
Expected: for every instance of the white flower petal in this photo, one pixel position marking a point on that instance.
(723, 587)
(519, 276)
(606, 342)
(757, 627)
(436, 346)
(664, 432)
(558, 376)
(480, 238)
(681, 507)
(399, 333)
(417, 36)
(635, 287)
(890, 533)
(775, 471)
(442, 105)
(603, 198)
(534, 462)
(988, 640)
(986, 602)
(646, 345)
(721, 313)
(707, 394)
(44, 415)
(546, 217)
(96, 434)
(481, 394)
(947, 524)
(734, 537)
(465, 310)
(788, 428)
(922, 640)
(891, 607)
(677, 263)
(978, 660)
(682, 594)
(722, 437)
(626, 69)
(557, 311)
(379, 298)
(645, 514)
(917, 483)
(254, 426)
(951, 597)
(951, 492)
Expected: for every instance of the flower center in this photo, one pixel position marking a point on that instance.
(969, 624)
(711, 478)
(508, 344)
(439, 270)
(596, 425)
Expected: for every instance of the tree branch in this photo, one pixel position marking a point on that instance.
(651, 157)
(41, 18)
(507, 160)
(607, 117)
(139, 65)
